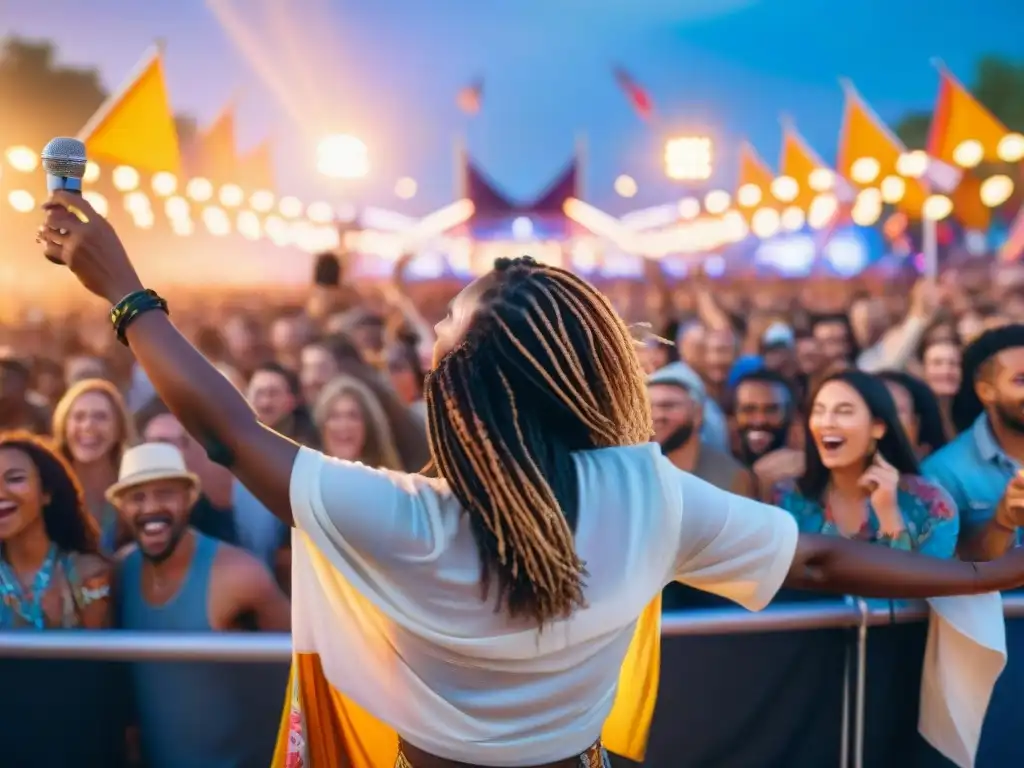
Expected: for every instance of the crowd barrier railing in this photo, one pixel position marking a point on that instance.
(856, 616)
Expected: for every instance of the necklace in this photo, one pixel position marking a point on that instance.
(16, 603)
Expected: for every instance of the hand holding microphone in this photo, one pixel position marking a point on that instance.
(74, 235)
(64, 161)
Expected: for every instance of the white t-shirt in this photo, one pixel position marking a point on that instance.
(407, 635)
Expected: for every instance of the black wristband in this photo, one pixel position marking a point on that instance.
(130, 307)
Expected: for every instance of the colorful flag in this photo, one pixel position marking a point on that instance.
(1013, 248)
(958, 117)
(864, 135)
(321, 727)
(256, 167)
(470, 98)
(216, 158)
(135, 126)
(637, 96)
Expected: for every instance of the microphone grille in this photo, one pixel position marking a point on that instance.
(64, 157)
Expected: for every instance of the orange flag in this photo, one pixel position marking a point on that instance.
(959, 117)
(256, 167)
(135, 125)
(754, 171)
(216, 157)
(864, 135)
(798, 161)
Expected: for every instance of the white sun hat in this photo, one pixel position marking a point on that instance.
(147, 463)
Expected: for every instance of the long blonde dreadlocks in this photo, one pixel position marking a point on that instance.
(547, 368)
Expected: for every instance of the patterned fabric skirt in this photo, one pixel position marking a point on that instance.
(595, 757)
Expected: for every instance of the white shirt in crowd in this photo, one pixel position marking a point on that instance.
(406, 634)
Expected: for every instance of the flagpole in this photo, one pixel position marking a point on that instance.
(151, 54)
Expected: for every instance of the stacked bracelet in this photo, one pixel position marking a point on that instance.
(130, 307)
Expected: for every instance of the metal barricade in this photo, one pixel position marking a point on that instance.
(853, 614)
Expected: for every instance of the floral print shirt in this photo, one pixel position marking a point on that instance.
(929, 513)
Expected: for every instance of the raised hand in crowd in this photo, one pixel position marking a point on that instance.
(777, 466)
(880, 480)
(1010, 512)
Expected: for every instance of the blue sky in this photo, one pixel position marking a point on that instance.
(388, 70)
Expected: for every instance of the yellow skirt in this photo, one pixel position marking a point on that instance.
(321, 728)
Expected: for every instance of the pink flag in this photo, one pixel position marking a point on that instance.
(1013, 248)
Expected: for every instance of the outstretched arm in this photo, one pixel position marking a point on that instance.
(205, 402)
(833, 564)
(745, 551)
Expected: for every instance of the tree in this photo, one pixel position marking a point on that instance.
(40, 99)
(998, 85)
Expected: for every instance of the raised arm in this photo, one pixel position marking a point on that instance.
(205, 402)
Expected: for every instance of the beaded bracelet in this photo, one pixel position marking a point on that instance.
(130, 307)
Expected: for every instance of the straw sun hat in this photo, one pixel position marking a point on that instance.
(149, 462)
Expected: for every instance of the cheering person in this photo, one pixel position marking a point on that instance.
(862, 479)
(484, 615)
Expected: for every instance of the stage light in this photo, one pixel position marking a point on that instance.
(625, 186)
(143, 218)
(290, 207)
(865, 214)
(231, 196)
(717, 201)
(22, 159)
(765, 222)
(164, 183)
(689, 158)
(892, 189)
(182, 227)
(343, 157)
(199, 189)
(969, 153)
(92, 173)
(216, 221)
(320, 213)
(134, 202)
(912, 165)
(793, 219)
(405, 188)
(822, 179)
(248, 224)
(748, 195)
(176, 208)
(97, 201)
(125, 178)
(276, 229)
(689, 208)
(822, 211)
(869, 198)
(1011, 148)
(785, 189)
(937, 207)
(21, 201)
(262, 201)
(996, 190)
(865, 170)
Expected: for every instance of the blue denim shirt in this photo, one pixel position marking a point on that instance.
(974, 470)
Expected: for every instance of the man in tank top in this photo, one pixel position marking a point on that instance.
(175, 579)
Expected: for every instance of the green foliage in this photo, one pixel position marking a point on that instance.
(40, 98)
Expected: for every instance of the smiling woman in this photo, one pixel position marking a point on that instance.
(862, 479)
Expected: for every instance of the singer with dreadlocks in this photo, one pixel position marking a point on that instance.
(484, 615)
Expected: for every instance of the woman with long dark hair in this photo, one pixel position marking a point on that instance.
(51, 572)
(919, 411)
(484, 615)
(862, 478)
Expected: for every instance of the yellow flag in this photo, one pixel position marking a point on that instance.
(135, 125)
(959, 117)
(756, 172)
(864, 135)
(799, 161)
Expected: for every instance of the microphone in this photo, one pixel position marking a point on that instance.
(64, 160)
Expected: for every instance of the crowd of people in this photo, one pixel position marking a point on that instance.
(885, 412)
